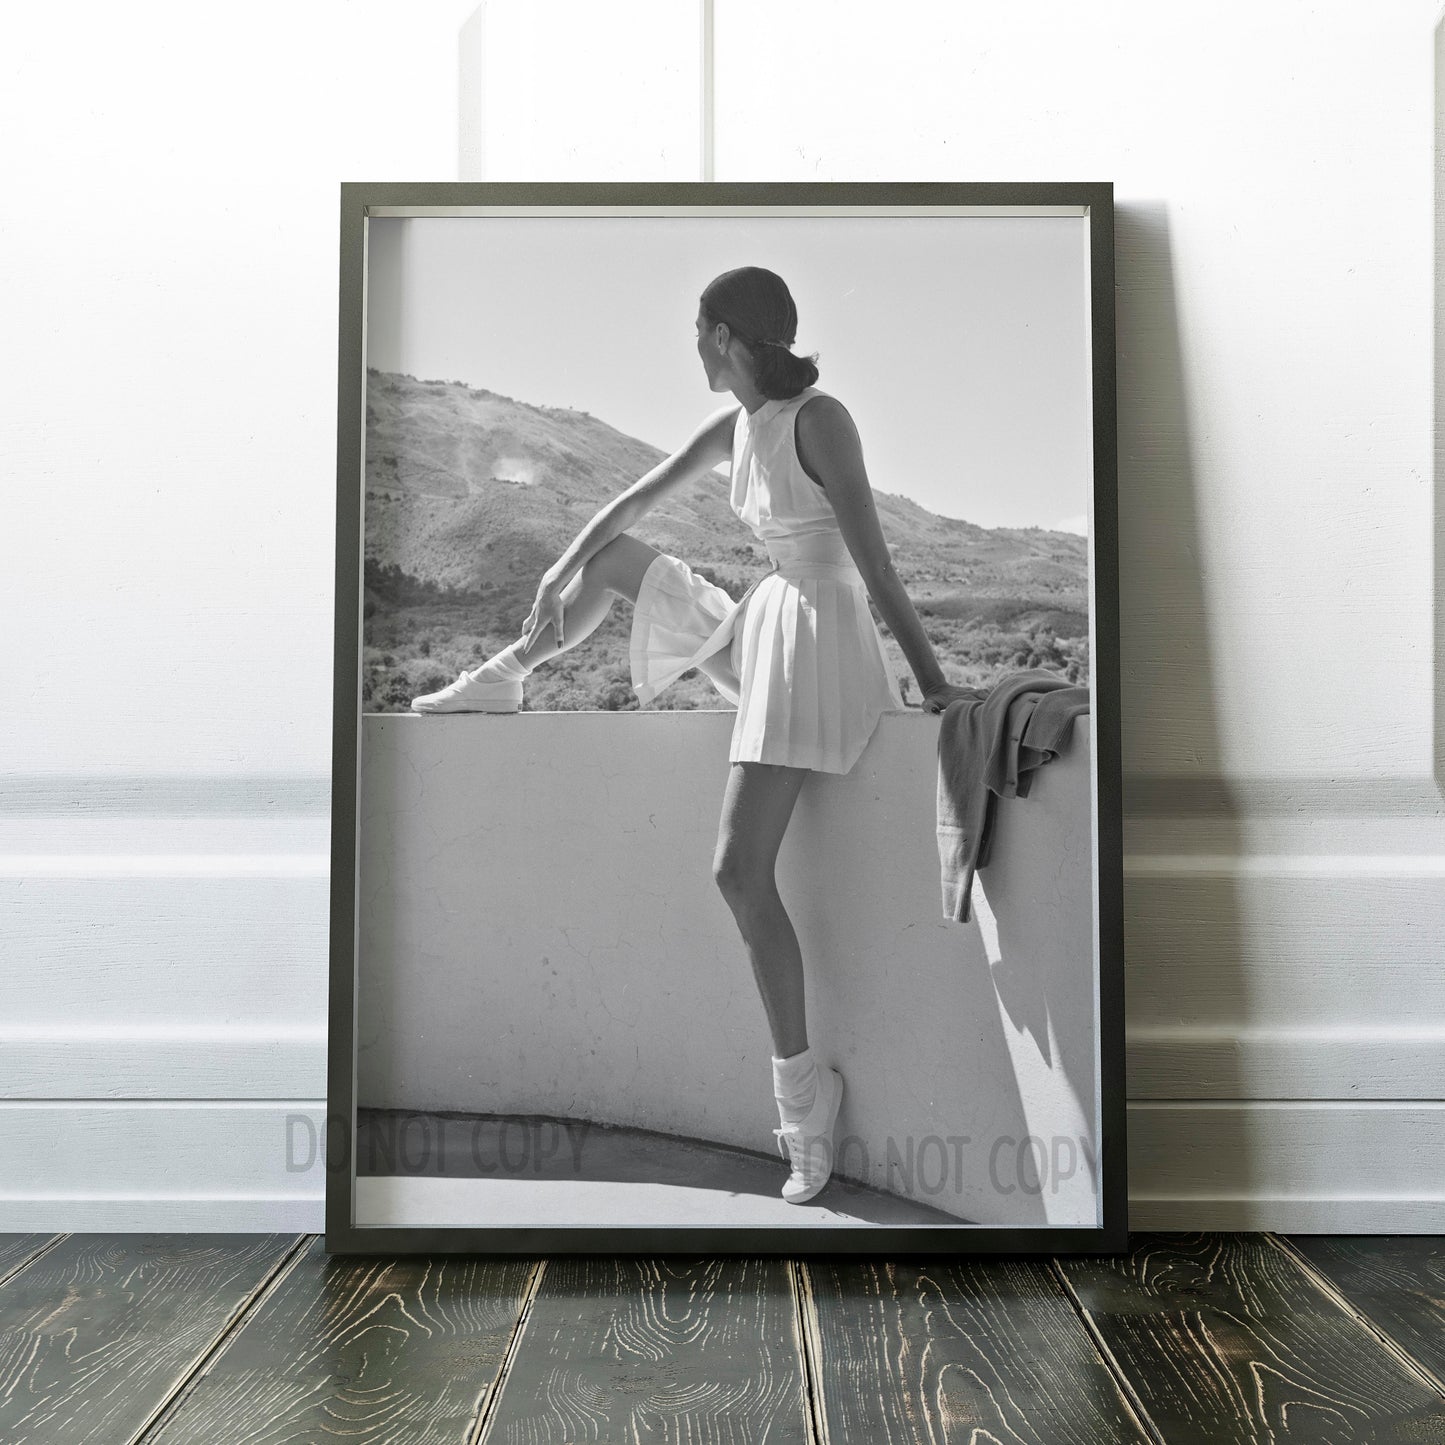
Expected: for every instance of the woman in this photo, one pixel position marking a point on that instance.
(800, 654)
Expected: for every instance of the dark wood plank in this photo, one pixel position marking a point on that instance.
(1224, 1338)
(404, 1351)
(1397, 1281)
(967, 1351)
(100, 1330)
(655, 1350)
(17, 1250)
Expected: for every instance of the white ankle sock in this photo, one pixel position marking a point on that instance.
(504, 667)
(795, 1081)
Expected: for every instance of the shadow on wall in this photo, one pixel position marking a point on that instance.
(981, 1035)
(1182, 923)
(1030, 906)
(1437, 383)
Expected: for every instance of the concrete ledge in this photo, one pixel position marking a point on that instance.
(540, 934)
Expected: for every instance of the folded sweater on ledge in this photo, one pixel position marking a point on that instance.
(988, 748)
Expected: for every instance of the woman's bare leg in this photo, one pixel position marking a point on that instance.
(613, 571)
(756, 809)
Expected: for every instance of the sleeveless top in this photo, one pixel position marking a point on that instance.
(813, 678)
(771, 492)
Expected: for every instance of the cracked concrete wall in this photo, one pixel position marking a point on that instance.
(541, 934)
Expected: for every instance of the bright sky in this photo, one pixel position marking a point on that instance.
(959, 344)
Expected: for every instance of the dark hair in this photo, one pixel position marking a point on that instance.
(757, 307)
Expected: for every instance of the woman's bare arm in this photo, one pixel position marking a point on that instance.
(830, 449)
(709, 444)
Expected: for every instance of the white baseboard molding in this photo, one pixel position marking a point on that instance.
(1285, 1049)
(1292, 1214)
(162, 1164)
(1245, 1061)
(162, 1214)
(91, 1061)
(1341, 1166)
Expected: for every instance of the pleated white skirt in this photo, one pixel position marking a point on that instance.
(800, 655)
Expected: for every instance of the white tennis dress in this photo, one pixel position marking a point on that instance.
(812, 676)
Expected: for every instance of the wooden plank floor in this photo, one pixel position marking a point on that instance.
(1209, 1338)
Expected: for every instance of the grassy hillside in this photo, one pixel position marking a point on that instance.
(470, 496)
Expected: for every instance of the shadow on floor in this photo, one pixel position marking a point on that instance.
(513, 1150)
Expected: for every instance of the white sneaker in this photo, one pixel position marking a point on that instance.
(809, 1141)
(466, 694)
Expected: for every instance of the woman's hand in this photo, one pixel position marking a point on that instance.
(547, 608)
(941, 694)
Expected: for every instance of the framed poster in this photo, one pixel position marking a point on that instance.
(726, 811)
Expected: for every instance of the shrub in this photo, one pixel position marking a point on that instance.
(616, 694)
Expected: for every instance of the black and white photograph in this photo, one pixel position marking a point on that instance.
(726, 651)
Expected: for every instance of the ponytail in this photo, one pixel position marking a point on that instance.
(779, 373)
(757, 307)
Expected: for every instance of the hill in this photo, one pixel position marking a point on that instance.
(471, 495)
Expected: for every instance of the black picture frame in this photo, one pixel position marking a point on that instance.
(363, 203)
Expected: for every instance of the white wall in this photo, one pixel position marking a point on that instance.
(586, 967)
(168, 212)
